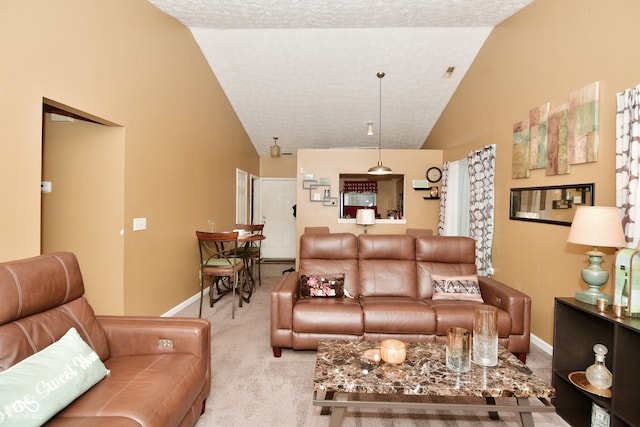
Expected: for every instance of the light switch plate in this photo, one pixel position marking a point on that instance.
(139, 224)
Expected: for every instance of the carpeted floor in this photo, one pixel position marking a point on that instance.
(252, 388)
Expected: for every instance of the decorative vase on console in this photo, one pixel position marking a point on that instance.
(597, 374)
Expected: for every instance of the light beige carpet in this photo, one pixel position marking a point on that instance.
(252, 388)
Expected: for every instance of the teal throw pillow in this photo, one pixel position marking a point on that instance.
(35, 389)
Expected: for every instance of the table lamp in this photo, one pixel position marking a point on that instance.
(365, 217)
(597, 226)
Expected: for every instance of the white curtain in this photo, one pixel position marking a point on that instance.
(628, 163)
(454, 199)
(467, 202)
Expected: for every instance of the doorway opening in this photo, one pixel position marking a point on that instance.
(82, 205)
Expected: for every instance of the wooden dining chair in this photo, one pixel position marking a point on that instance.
(218, 260)
(252, 251)
(418, 232)
(316, 230)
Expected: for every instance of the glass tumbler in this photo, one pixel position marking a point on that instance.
(458, 349)
(485, 336)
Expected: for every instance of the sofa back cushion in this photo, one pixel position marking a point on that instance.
(332, 253)
(444, 256)
(386, 265)
(41, 300)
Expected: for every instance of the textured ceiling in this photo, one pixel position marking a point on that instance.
(305, 70)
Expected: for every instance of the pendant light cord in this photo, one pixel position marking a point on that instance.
(380, 76)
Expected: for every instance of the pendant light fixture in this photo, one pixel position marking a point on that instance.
(380, 169)
(275, 148)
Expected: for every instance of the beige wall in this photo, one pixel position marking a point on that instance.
(281, 167)
(125, 62)
(419, 213)
(541, 54)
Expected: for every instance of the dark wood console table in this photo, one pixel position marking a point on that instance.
(577, 328)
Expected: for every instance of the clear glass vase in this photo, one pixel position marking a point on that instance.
(485, 336)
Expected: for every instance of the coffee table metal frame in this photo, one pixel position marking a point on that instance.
(340, 379)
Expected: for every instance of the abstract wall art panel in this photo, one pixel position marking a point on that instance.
(520, 153)
(538, 123)
(557, 143)
(583, 124)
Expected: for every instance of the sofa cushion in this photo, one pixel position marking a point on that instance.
(41, 385)
(32, 334)
(328, 315)
(397, 315)
(443, 255)
(330, 253)
(450, 313)
(33, 285)
(169, 383)
(41, 300)
(322, 285)
(386, 265)
(464, 288)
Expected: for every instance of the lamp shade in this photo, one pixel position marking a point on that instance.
(365, 217)
(597, 226)
(379, 169)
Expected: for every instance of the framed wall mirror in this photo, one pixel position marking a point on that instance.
(554, 204)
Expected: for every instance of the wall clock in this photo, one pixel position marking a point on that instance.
(434, 174)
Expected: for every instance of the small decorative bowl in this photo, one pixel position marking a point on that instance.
(393, 351)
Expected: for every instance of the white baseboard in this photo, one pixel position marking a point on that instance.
(547, 348)
(178, 308)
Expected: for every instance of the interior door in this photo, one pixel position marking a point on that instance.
(277, 198)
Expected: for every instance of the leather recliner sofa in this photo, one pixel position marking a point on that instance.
(150, 383)
(389, 278)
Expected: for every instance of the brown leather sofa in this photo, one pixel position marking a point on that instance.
(42, 298)
(389, 278)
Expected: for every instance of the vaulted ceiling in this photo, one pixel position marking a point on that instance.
(305, 70)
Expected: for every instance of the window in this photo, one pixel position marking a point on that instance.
(385, 194)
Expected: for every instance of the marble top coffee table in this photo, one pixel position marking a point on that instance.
(343, 367)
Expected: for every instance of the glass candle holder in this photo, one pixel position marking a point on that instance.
(458, 349)
(485, 335)
(393, 351)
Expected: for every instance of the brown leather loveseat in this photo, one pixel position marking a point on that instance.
(389, 278)
(159, 371)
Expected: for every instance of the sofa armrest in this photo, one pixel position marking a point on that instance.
(516, 303)
(131, 336)
(283, 297)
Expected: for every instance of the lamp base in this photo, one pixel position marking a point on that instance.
(594, 276)
(590, 296)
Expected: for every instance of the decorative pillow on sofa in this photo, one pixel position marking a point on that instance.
(464, 288)
(41, 385)
(322, 285)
